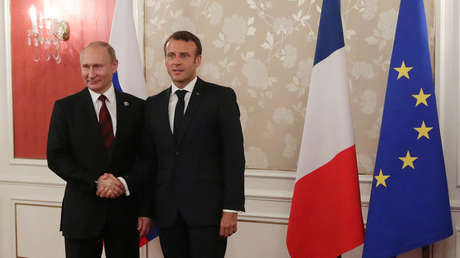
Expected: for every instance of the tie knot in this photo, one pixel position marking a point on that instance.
(181, 94)
(102, 98)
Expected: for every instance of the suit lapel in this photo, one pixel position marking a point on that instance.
(159, 115)
(123, 108)
(164, 111)
(192, 107)
(121, 114)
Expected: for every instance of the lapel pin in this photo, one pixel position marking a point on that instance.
(197, 93)
(126, 103)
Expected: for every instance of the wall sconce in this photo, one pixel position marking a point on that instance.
(46, 35)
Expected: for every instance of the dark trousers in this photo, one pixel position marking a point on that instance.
(183, 241)
(126, 246)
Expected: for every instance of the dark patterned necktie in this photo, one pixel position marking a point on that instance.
(179, 118)
(105, 122)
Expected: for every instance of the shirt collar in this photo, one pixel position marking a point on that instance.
(189, 87)
(109, 94)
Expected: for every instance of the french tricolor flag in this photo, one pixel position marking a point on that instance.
(325, 218)
(129, 77)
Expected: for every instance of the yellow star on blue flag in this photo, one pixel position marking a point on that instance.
(403, 70)
(421, 98)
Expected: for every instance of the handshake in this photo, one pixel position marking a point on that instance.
(108, 186)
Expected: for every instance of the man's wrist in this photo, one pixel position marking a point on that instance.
(232, 211)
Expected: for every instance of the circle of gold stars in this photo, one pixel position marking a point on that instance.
(422, 131)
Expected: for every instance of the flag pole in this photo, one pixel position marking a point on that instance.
(426, 251)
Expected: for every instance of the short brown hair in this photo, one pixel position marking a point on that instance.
(103, 44)
(185, 36)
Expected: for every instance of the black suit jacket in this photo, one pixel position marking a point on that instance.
(76, 153)
(204, 173)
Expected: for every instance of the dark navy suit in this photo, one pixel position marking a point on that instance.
(203, 173)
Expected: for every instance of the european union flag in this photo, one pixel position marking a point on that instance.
(409, 205)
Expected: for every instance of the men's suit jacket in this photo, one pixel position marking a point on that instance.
(76, 153)
(204, 173)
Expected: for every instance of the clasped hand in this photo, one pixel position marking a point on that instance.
(108, 186)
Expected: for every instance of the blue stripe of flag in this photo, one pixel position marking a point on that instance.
(330, 32)
(152, 234)
(116, 82)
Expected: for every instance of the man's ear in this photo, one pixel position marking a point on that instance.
(114, 66)
(198, 60)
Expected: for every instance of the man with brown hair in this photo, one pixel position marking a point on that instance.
(193, 152)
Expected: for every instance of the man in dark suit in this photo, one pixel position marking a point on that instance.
(193, 150)
(92, 144)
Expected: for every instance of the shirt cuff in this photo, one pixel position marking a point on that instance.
(123, 181)
(232, 211)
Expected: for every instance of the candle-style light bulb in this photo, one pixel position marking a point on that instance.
(33, 18)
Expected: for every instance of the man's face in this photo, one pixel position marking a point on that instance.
(181, 62)
(97, 69)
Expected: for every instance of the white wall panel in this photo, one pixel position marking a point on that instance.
(259, 240)
(37, 230)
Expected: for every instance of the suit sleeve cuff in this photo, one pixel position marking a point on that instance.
(123, 181)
